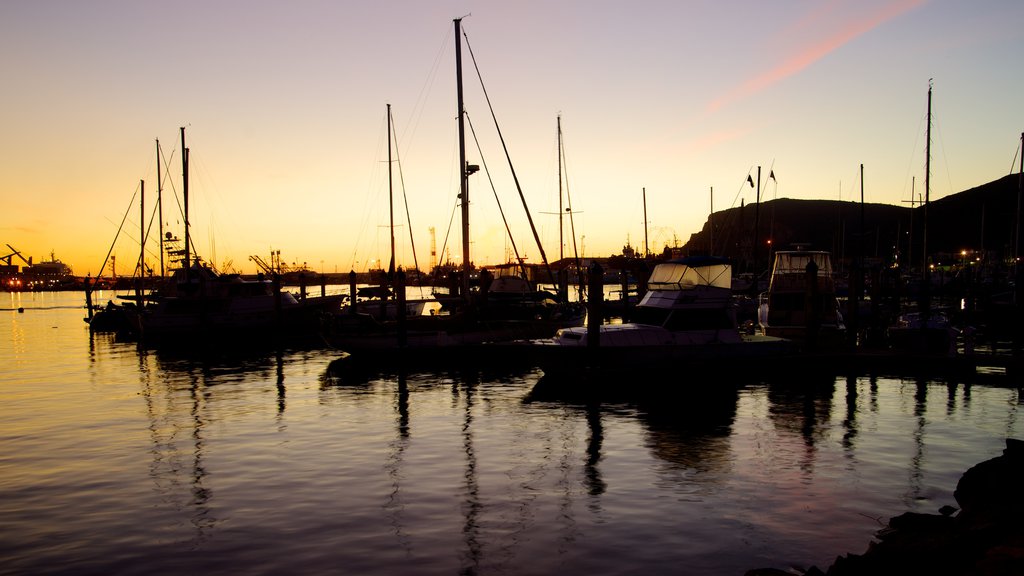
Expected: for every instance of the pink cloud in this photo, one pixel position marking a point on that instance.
(815, 52)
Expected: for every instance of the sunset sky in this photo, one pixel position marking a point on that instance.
(284, 105)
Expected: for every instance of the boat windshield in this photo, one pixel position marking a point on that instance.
(681, 276)
(796, 262)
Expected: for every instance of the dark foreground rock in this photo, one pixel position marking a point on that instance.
(984, 538)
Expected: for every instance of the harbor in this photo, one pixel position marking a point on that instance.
(524, 289)
(128, 460)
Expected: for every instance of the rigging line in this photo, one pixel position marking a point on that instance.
(405, 198)
(119, 228)
(455, 208)
(1014, 161)
(568, 200)
(494, 190)
(420, 106)
(515, 178)
(910, 161)
(945, 160)
(366, 210)
(728, 223)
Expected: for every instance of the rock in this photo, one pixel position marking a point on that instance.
(986, 538)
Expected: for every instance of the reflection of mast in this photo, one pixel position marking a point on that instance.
(166, 468)
(472, 505)
(200, 494)
(920, 407)
(395, 505)
(592, 474)
(279, 358)
(850, 422)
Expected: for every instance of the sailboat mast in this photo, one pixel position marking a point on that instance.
(561, 211)
(160, 206)
(391, 200)
(647, 250)
(184, 193)
(1020, 190)
(142, 241)
(711, 225)
(927, 182)
(463, 168)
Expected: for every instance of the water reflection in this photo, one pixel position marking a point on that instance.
(175, 469)
(802, 406)
(394, 508)
(472, 505)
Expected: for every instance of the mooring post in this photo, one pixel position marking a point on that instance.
(400, 304)
(812, 307)
(276, 280)
(88, 298)
(563, 284)
(595, 305)
(352, 292)
(624, 284)
(853, 304)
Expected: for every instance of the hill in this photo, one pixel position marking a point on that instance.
(981, 220)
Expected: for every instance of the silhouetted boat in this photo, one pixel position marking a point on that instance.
(497, 309)
(801, 299)
(686, 320)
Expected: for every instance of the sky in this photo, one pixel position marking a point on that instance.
(676, 102)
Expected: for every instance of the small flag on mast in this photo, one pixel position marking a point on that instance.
(772, 175)
(750, 180)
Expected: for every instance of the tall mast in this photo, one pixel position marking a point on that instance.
(561, 211)
(184, 189)
(391, 201)
(927, 181)
(463, 168)
(142, 242)
(646, 247)
(160, 206)
(1020, 189)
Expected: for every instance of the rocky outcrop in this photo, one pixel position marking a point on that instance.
(985, 537)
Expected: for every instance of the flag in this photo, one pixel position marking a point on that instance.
(750, 180)
(772, 175)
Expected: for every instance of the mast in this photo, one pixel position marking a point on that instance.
(160, 206)
(184, 188)
(927, 180)
(926, 284)
(561, 211)
(142, 241)
(1020, 189)
(757, 230)
(646, 246)
(463, 168)
(391, 201)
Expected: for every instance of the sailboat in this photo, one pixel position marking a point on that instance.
(926, 331)
(197, 303)
(495, 309)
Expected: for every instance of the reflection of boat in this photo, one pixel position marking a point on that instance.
(686, 319)
(801, 298)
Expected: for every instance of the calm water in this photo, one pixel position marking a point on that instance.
(116, 461)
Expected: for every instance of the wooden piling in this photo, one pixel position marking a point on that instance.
(595, 305)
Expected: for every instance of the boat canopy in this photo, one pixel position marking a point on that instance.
(688, 273)
(796, 262)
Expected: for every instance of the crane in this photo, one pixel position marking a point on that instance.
(14, 252)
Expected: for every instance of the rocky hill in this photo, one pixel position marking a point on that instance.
(980, 220)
